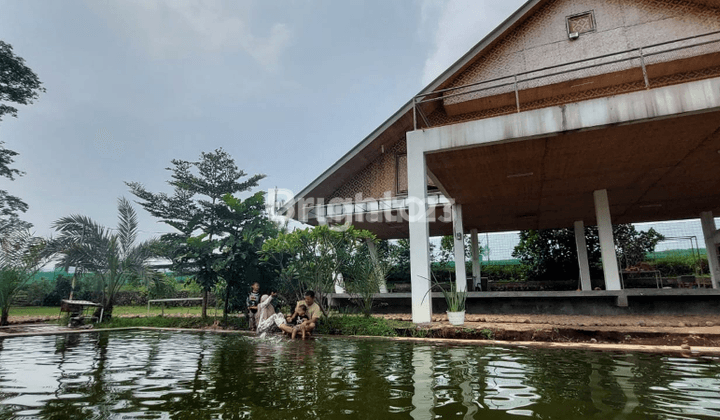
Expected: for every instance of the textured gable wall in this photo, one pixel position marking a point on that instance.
(542, 40)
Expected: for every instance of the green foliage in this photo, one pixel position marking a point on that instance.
(551, 254)
(37, 291)
(20, 258)
(161, 286)
(234, 323)
(111, 256)
(505, 272)
(363, 276)
(487, 333)
(454, 299)
(246, 227)
(680, 264)
(199, 211)
(447, 248)
(18, 85)
(311, 259)
(358, 325)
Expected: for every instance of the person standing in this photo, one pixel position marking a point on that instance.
(251, 303)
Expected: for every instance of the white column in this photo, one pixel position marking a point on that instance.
(382, 284)
(459, 248)
(581, 246)
(710, 233)
(476, 273)
(607, 243)
(419, 235)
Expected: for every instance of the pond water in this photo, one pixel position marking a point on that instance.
(149, 374)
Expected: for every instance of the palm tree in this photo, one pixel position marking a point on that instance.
(110, 254)
(20, 259)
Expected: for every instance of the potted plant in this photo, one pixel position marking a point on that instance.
(455, 304)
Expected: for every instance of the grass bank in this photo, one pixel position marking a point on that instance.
(49, 311)
(335, 325)
(234, 323)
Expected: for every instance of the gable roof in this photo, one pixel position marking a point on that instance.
(401, 121)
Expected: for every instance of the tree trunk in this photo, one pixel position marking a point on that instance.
(4, 319)
(204, 304)
(225, 308)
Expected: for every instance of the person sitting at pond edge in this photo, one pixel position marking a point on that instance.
(299, 321)
(313, 312)
(251, 302)
(266, 317)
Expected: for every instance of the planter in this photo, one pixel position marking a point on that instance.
(456, 318)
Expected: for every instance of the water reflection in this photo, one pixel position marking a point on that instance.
(172, 375)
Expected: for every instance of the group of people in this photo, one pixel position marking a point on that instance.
(263, 316)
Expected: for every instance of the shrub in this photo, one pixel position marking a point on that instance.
(356, 325)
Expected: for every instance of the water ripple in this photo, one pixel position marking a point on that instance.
(147, 374)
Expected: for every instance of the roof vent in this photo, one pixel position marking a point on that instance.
(580, 24)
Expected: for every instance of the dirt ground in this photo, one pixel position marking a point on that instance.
(659, 330)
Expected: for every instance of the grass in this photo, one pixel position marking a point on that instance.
(43, 311)
(234, 323)
(346, 324)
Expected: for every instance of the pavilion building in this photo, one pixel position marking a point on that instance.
(570, 113)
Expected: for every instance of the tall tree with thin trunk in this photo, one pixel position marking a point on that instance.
(195, 210)
(18, 85)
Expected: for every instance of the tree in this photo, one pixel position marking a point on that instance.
(194, 210)
(364, 274)
(551, 254)
(111, 255)
(314, 257)
(20, 259)
(246, 227)
(18, 85)
(10, 205)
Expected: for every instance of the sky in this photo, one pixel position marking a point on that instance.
(286, 87)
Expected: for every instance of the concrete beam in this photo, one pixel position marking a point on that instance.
(459, 248)
(607, 243)
(419, 235)
(583, 263)
(709, 231)
(476, 273)
(669, 101)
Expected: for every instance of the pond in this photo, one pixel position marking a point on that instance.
(155, 374)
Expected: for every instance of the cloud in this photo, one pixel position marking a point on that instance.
(460, 25)
(178, 28)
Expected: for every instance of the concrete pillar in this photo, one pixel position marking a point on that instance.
(476, 273)
(382, 283)
(581, 246)
(459, 248)
(710, 233)
(419, 235)
(607, 243)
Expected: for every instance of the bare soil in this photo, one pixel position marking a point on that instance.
(656, 330)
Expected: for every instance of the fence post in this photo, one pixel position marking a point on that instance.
(414, 113)
(517, 95)
(644, 70)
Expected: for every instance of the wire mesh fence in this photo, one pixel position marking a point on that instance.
(678, 260)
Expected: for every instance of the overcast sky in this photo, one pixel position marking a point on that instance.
(287, 87)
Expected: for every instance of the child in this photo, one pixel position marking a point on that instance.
(252, 302)
(298, 320)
